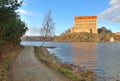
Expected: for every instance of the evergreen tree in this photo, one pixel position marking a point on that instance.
(11, 25)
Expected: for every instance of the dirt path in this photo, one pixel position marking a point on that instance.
(27, 67)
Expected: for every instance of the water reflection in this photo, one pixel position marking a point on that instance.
(64, 51)
(85, 54)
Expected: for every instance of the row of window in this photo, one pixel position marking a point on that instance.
(85, 20)
(84, 28)
(86, 23)
(90, 24)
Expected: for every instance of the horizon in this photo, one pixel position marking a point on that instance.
(64, 12)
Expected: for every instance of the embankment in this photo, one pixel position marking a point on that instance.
(74, 73)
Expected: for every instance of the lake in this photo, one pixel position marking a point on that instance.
(102, 58)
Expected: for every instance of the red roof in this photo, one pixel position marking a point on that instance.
(85, 17)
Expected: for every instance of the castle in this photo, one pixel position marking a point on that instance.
(84, 24)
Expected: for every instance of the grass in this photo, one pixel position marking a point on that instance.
(5, 63)
(70, 74)
(65, 71)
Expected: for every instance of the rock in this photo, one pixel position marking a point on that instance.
(66, 65)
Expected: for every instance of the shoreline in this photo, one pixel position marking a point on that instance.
(71, 71)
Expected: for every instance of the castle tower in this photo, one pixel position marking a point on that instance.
(84, 24)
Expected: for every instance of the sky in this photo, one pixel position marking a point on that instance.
(64, 11)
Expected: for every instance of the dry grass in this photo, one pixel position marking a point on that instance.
(8, 55)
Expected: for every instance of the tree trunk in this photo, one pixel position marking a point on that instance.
(43, 42)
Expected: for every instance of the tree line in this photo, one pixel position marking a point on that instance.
(11, 25)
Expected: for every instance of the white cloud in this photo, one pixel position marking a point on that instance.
(25, 2)
(19, 1)
(111, 14)
(33, 31)
(114, 2)
(23, 11)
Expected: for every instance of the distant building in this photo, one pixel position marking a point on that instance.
(117, 33)
(112, 39)
(85, 24)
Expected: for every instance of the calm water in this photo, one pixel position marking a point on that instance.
(103, 58)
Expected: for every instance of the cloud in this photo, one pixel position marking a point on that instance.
(33, 31)
(114, 2)
(111, 14)
(25, 2)
(19, 1)
(23, 11)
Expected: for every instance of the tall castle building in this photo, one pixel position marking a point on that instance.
(85, 24)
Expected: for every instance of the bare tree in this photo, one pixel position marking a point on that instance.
(48, 26)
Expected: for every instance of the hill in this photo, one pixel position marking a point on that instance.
(78, 37)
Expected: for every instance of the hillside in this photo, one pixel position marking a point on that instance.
(78, 37)
(86, 37)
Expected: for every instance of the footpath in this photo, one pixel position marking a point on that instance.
(26, 67)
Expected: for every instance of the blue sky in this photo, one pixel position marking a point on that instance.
(64, 11)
